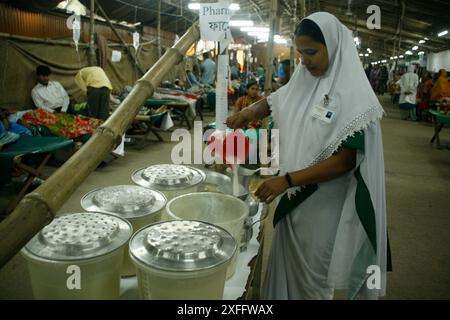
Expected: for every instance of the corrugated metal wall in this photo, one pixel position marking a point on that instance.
(41, 25)
(31, 24)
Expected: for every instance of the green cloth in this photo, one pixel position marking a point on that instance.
(286, 205)
(24, 146)
(363, 201)
(29, 145)
(356, 142)
(440, 117)
(156, 103)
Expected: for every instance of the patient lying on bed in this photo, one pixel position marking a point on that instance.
(59, 124)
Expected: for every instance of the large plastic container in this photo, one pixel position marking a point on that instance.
(181, 260)
(139, 205)
(219, 209)
(78, 256)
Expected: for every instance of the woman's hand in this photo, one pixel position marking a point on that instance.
(271, 188)
(241, 119)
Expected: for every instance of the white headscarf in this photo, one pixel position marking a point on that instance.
(305, 140)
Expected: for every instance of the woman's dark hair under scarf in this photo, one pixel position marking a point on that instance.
(310, 29)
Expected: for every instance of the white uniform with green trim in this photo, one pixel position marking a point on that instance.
(324, 243)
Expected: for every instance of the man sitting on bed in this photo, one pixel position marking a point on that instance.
(49, 95)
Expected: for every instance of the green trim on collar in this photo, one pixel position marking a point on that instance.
(355, 142)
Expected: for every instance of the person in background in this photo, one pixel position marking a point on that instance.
(368, 71)
(191, 79)
(260, 72)
(249, 99)
(95, 82)
(208, 68)
(408, 92)
(375, 76)
(180, 84)
(234, 70)
(441, 88)
(286, 67)
(423, 94)
(384, 77)
(12, 125)
(395, 89)
(280, 72)
(425, 86)
(49, 95)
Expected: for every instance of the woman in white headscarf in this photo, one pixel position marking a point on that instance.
(330, 222)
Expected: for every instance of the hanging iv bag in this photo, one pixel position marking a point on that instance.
(76, 29)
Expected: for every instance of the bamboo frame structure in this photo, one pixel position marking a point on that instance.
(274, 8)
(292, 51)
(42, 40)
(38, 208)
(92, 56)
(136, 63)
(158, 28)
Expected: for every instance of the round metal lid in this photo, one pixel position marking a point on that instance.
(128, 201)
(80, 236)
(168, 177)
(182, 245)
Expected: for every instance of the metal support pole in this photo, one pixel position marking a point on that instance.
(92, 57)
(159, 29)
(269, 57)
(292, 48)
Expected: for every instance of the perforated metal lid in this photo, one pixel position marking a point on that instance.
(182, 245)
(168, 177)
(125, 200)
(80, 236)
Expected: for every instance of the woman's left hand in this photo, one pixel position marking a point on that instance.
(271, 188)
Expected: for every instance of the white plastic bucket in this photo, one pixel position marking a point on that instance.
(182, 260)
(219, 209)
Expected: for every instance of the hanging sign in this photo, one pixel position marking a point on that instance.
(116, 56)
(215, 22)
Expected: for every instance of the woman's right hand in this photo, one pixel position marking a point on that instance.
(241, 119)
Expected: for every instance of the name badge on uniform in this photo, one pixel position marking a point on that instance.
(323, 114)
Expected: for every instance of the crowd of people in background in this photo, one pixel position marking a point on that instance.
(412, 88)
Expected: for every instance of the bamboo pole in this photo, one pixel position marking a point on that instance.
(92, 58)
(39, 207)
(292, 48)
(120, 38)
(65, 42)
(303, 12)
(159, 29)
(39, 40)
(269, 58)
